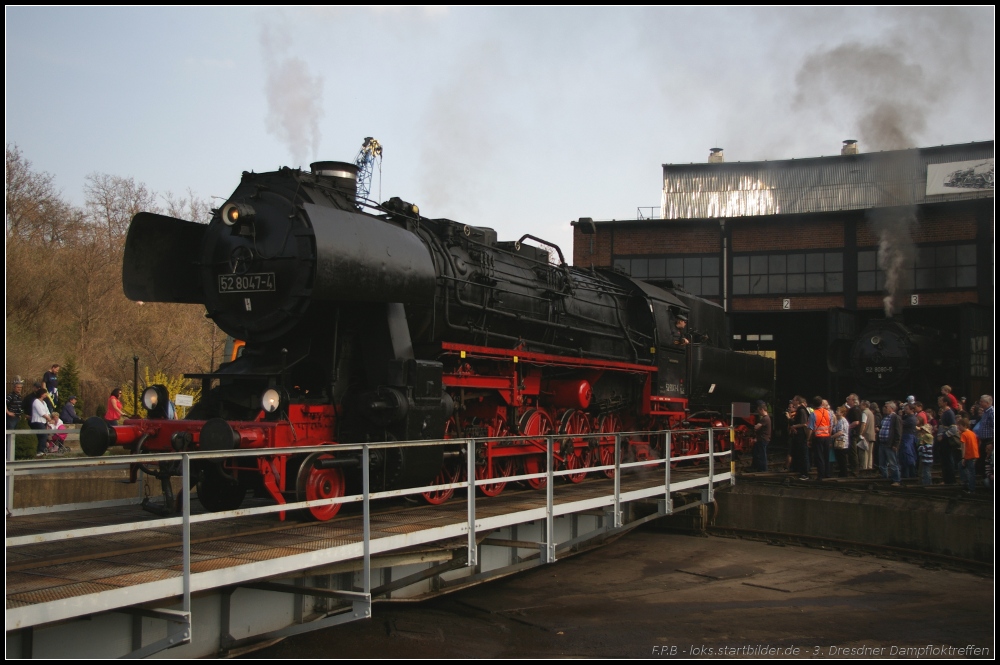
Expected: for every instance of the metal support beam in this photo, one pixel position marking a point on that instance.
(226, 639)
(420, 576)
(8, 472)
(732, 458)
(472, 558)
(27, 643)
(182, 635)
(666, 504)
(711, 465)
(318, 592)
(616, 517)
(366, 606)
(186, 532)
(359, 610)
(549, 546)
(136, 632)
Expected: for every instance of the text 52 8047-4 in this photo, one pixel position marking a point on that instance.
(249, 283)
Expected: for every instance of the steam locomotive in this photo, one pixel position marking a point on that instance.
(369, 322)
(891, 359)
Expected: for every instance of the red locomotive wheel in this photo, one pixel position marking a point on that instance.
(314, 483)
(575, 422)
(536, 422)
(449, 473)
(501, 467)
(744, 439)
(608, 424)
(574, 461)
(699, 445)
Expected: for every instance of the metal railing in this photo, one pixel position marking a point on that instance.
(361, 602)
(649, 212)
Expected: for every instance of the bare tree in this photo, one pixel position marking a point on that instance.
(64, 289)
(34, 209)
(112, 201)
(188, 207)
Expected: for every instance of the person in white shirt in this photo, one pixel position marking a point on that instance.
(40, 418)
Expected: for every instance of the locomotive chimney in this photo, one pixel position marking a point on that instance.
(715, 156)
(344, 174)
(850, 147)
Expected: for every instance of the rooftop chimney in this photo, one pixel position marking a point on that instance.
(850, 147)
(715, 156)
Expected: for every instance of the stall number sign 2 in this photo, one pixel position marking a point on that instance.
(786, 303)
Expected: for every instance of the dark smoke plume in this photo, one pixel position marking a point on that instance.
(886, 94)
(294, 98)
(896, 252)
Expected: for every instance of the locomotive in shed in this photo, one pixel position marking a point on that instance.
(369, 322)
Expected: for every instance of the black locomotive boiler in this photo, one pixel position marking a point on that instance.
(891, 359)
(367, 322)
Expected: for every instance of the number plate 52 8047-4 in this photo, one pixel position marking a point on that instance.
(253, 282)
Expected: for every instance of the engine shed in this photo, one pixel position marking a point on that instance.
(814, 258)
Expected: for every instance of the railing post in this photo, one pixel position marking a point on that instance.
(732, 458)
(367, 527)
(186, 531)
(549, 554)
(472, 558)
(711, 464)
(617, 517)
(8, 472)
(667, 504)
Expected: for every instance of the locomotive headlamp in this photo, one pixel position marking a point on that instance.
(270, 401)
(155, 399)
(236, 212)
(150, 398)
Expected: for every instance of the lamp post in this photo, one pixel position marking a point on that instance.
(135, 386)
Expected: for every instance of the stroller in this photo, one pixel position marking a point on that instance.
(57, 442)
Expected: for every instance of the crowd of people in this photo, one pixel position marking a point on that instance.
(47, 413)
(896, 440)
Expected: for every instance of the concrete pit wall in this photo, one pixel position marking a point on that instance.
(939, 525)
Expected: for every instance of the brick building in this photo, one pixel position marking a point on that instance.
(803, 252)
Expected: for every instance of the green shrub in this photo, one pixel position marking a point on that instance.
(25, 445)
(69, 384)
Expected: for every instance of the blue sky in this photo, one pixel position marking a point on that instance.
(516, 118)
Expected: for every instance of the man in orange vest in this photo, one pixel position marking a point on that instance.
(820, 424)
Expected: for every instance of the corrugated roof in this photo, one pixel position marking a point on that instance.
(820, 184)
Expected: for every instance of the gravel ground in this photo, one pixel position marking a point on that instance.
(653, 594)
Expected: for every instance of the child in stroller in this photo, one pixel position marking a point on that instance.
(57, 442)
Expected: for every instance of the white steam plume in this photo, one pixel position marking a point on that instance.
(294, 98)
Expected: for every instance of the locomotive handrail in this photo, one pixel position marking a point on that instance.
(547, 243)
